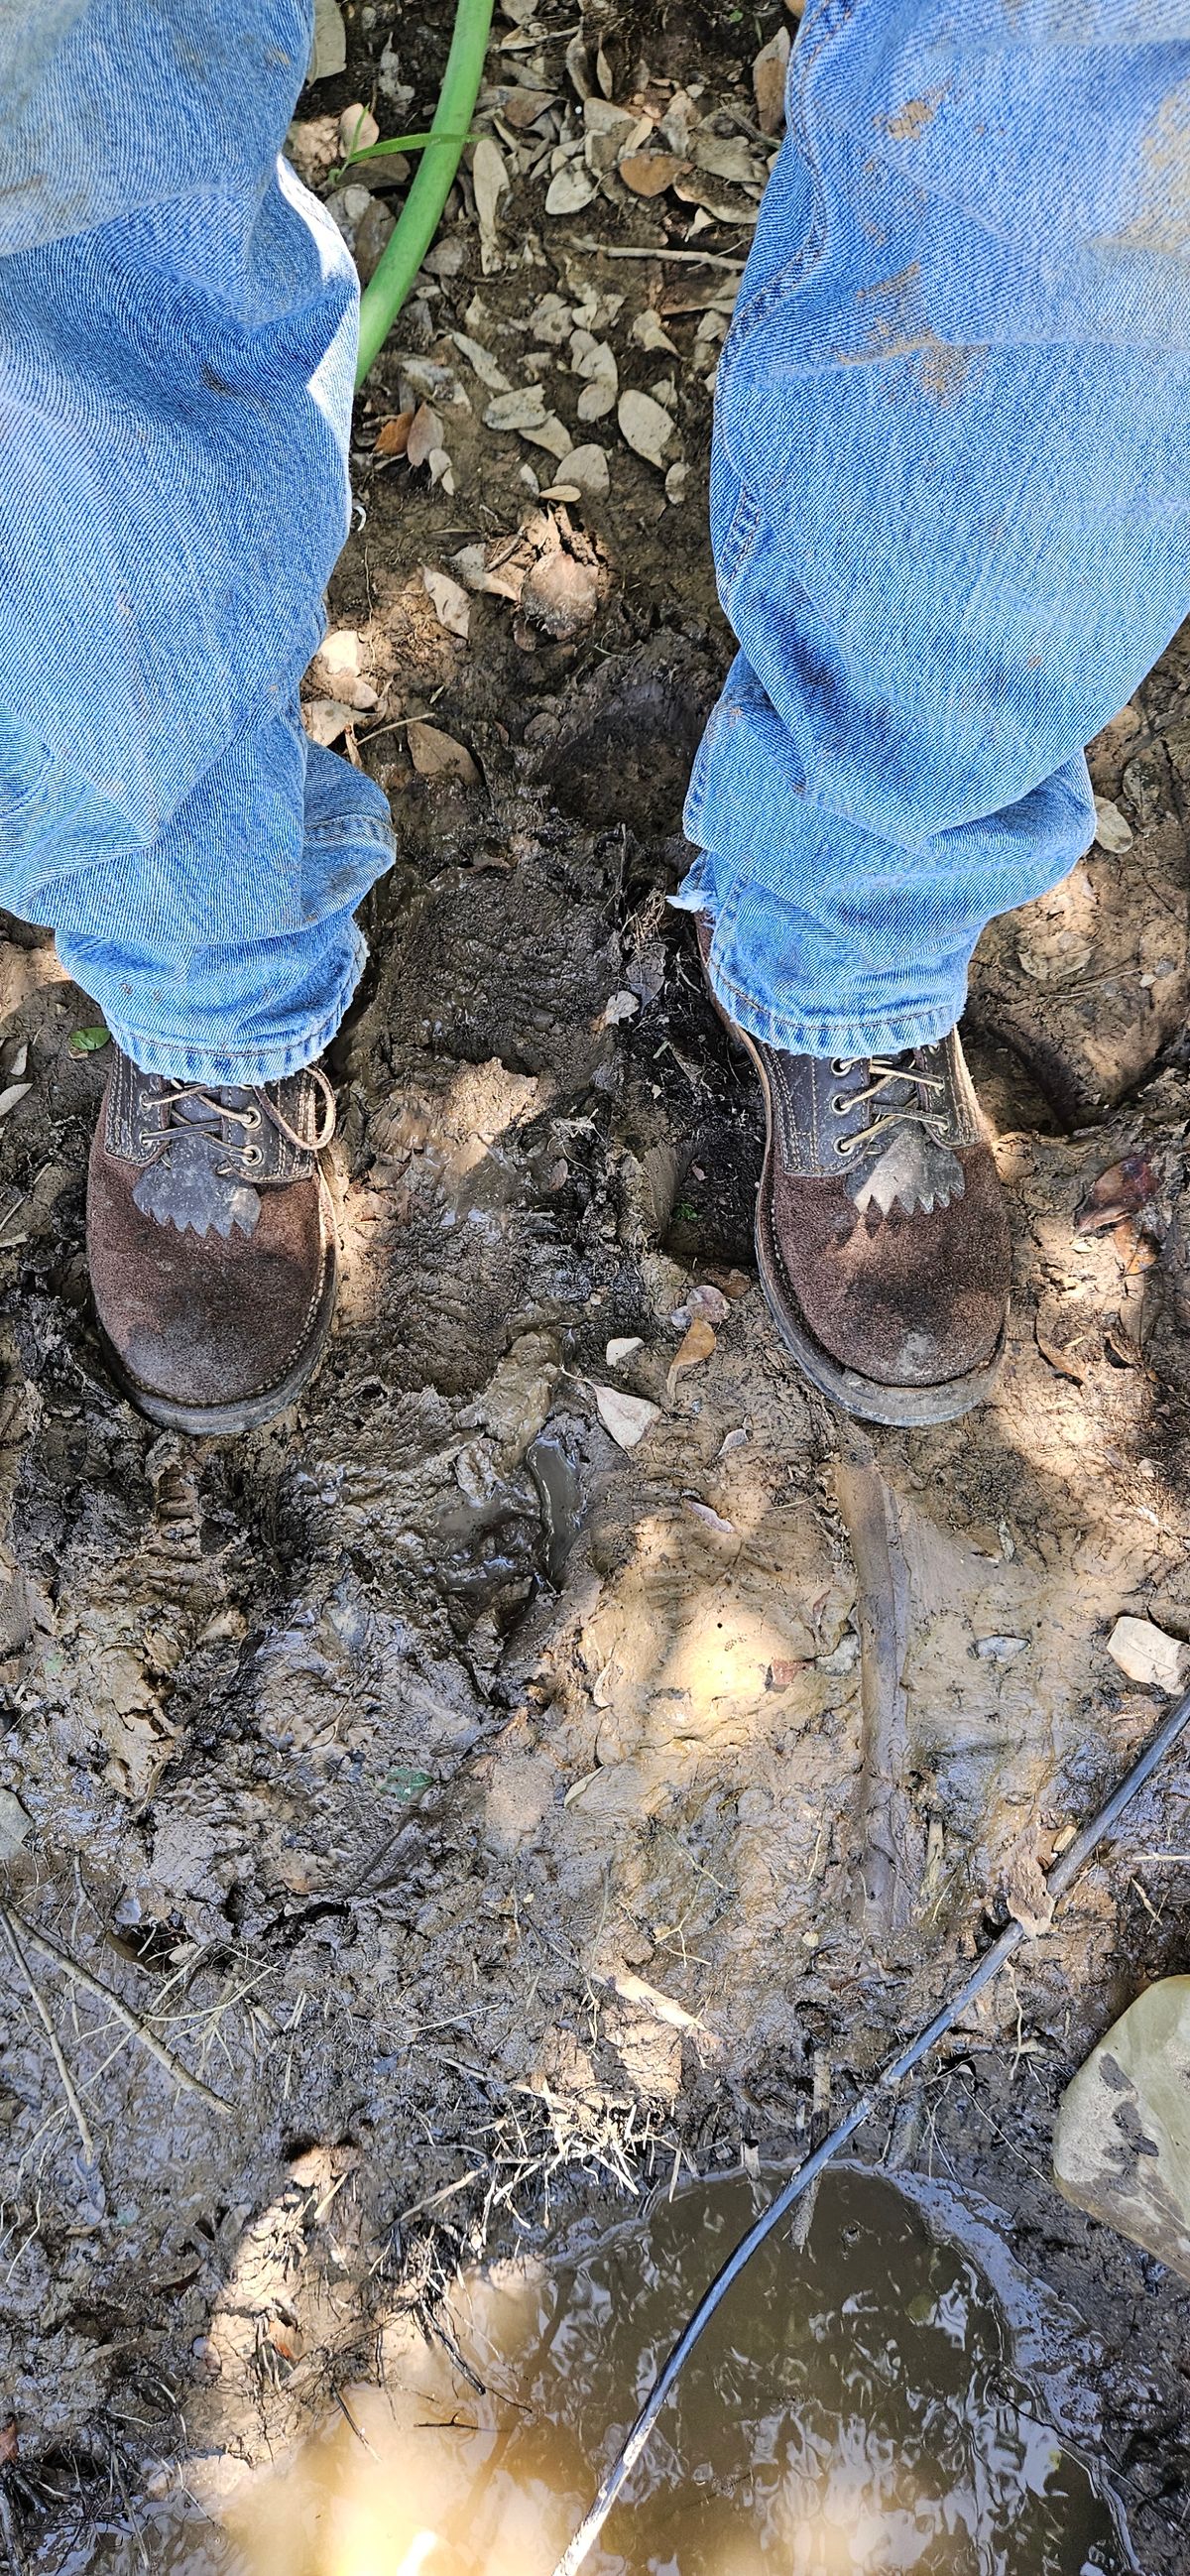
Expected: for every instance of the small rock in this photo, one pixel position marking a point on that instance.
(357, 130)
(1148, 1655)
(373, 234)
(626, 1417)
(14, 1824)
(624, 1349)
(1122, 2141)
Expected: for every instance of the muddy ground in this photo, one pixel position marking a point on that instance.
(479, 1810)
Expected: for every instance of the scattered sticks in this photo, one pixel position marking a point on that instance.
(19, 1931)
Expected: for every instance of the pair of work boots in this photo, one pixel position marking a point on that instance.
(881, 1236)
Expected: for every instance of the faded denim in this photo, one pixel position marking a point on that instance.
(177, 346)
(950, 493)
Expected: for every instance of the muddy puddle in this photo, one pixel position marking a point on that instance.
(859, 2410)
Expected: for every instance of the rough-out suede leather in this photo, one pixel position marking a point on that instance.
(882, 1230)
(211, 1245)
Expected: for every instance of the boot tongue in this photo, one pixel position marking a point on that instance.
(198, 1112)
(190, 1184)
(903, 1165)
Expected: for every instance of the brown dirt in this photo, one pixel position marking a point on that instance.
(371, 1759)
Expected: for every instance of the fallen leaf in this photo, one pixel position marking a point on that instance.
(624, 1349)
(489, 178)
(1147, 1654)
(425, 434)
(710, 1518)
(570, 189)
(622, 1006)
(645, 425)
(577, 1787)
(1112, 831)
(451, 606)
(14, 1824)
(19, 1061)
(1062, 1356)
(88, 1041)
(328, 54)
(482, 363)
(587, 468)
(1026, 1895)
(627, 1417)
(438, 755)
(1121, 1190)
(593, 361)
(393, 436)
(522, 107)
(768, 82)
(523, 408)
(696, 1345)
(326, 718)
(649, 174)
(13, 1092)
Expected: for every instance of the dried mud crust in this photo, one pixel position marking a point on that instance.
(477, 1807)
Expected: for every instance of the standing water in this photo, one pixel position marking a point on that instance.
(853, 2410)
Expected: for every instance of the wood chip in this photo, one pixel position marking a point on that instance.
(437, 755)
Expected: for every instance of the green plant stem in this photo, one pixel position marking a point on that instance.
(421, 213)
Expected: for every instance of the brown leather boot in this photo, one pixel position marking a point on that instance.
(211, 1240)
(881, 1227)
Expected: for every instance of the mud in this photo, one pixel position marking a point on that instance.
(478, 1809)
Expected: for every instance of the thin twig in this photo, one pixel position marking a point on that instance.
(65, 2077)
(123, 2012)
(698, 258)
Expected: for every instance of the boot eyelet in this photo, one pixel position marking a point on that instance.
(251, 1117)
(253, 1154)
(842, 1064)
(840, 1107)
(843, 1146)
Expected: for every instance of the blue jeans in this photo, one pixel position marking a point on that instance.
(177, 347)
(950, 493)
(949, 516)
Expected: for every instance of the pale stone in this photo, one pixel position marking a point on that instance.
(1122, 2141)
(1147, 1654)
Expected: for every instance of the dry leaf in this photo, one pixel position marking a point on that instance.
(622, 1006)
(649, 174)
(358, 129)
(627, 1417)
(326, 718)
(586, 467)
(645, 425)
(483, 364)
(710, 1518)
(577, 1787)
(329, 52)
(489, 178)
(1121, 1190)
(393, 436)
(561, 594)
(425, 434)
(522, 107)
(624, 1349)
(1112, 832)
(696, 1345)
(452, 608)
(438, 755)
(525, 408)
(570, 189)
(9, 1097)
(634, 1990)
(768, 82)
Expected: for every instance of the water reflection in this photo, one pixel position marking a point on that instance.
(854, 2412)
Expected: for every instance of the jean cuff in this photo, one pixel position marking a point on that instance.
(241, 1067)
(796, 1032)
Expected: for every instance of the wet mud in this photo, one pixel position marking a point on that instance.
(479, 1810)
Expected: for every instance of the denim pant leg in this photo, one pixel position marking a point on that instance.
(951, 493)
(177, 342)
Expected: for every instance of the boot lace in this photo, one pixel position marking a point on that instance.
(890, 1113)
(180, 1107)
